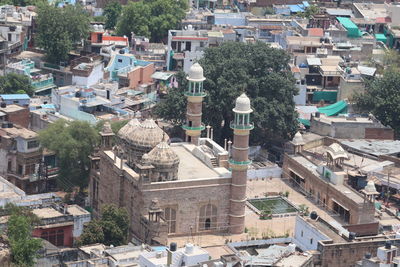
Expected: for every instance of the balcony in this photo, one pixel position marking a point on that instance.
(42, 83)
(249, 126)
(189, 128)
(234, 162)
(200, 94)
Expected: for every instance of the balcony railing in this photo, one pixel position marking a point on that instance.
(190, 128)
(248, 126)
(202, 94)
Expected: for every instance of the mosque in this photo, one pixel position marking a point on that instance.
(175, 189)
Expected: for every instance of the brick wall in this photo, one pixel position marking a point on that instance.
(379, 133)
(20, 117)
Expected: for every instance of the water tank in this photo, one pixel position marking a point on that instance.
(317, 114)
(367, 255)
(96, 27)
(397, 235)
(172, 246)
(4, 125)
(291, 248)
(15, 15)
(10, 125)
(101, 28)
(313, 215)
(3, 104)
(189, 248)
(388, 245)
(352, 236)
(122, 51)
(190, 27)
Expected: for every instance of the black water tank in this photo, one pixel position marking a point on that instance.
(352, 236)
(367, 255)
(317, 114)
(313, 215)
(10, 125)
(122, 51)
(3, 104)
(4, 125)
(172, 246)
(388, 244)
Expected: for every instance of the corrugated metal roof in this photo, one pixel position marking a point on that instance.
(15, 96)
(314, 61)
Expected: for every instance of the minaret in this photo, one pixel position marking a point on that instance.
(195, 94)
(239, 162)
(107, 136)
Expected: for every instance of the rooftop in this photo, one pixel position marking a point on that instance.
(374, 147)
(46, 213)
(11, 108)
(370, 10)
(17, 131)
(327, 229)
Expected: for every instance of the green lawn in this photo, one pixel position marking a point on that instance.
(272, 205)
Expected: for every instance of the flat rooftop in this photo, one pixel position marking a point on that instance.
(346, 191)
(326, 229)
(75, 210)
(343, 119)
(191, 167)
(374, 147)
(18, 131)
(46, 213)
(371, 11)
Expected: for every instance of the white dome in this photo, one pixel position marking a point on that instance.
(370, 187)
(298, 139)
(196, 73)
(242, 104)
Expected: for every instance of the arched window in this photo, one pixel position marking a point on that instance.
(170, 218)
(208, 217)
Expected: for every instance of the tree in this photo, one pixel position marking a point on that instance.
(382, 99)
(59, 29)
(173, 107)
(112, 11)
(72, 142)
(260, 71)
(112, 229)
(310, 11)
(151, 18)
(13, 83)
(24, 248)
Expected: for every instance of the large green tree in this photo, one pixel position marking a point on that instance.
(111, 229)
(13, 83)
(112, 11)
(151, 18)
(382, 98)
(20, 224)
(59, 29)
(257, 69)
(72, 142)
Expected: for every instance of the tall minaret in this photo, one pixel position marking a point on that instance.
(195, 94)
(239, 162)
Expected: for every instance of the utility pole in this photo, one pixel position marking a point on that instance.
(387, 188)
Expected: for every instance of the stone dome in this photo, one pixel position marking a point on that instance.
(298, 139)
(163, 156)
(147, 135)
(128, 128)
(242, 104)
(196, 73)
(370, 187)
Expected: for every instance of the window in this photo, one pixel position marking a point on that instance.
(311, 240)
(33, 144)
(170, 217)
(208, 217)
(9, 37)
(56, 237)
(330, 78)
(20, 169)
(302, 233)
(120, 60)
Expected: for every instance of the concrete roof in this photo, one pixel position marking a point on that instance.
(191, 167)
(371, 11)
(374, 147)
(46, 213)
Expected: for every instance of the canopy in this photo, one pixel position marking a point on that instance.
(304, 122)
(328, 96)
(381, 37)
(352, 29)
(334, 109)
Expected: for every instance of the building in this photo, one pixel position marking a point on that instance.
(15, 99)
(178, 188)
(60, 225)
(350, 127)
(14, 113)
(41, 82)
(23, 162)
(316, 166)
(87, 70)
(386, 255)
(190, 255)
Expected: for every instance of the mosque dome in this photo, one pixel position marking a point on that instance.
(370, 187)
(162, 156)
(242, 104)
(298, 139)
(128, 128)
(196, 73)
(146, 135)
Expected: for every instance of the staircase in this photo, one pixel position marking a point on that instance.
(214, 162)
(177, 259)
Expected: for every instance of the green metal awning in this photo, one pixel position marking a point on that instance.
(381, 37)
(334, 109)
(352, 29)
(328, 96)
(305, 122)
